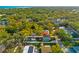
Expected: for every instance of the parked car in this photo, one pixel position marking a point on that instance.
(30, 49)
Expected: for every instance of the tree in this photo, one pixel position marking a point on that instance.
(56, 48)
(4, 37)
(11, 29)
(64, 35)
(25, 32)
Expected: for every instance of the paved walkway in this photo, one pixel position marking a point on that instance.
(15, 49)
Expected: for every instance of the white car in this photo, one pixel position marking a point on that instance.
(30, 49)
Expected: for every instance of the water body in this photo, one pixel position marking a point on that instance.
(6, 7)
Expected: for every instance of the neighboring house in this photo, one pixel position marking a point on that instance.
(74, 49)
(29, 19)
(2, 48)
(3, 22)
(29, 49)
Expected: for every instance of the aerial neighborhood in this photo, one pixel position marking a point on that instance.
(39, 30)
